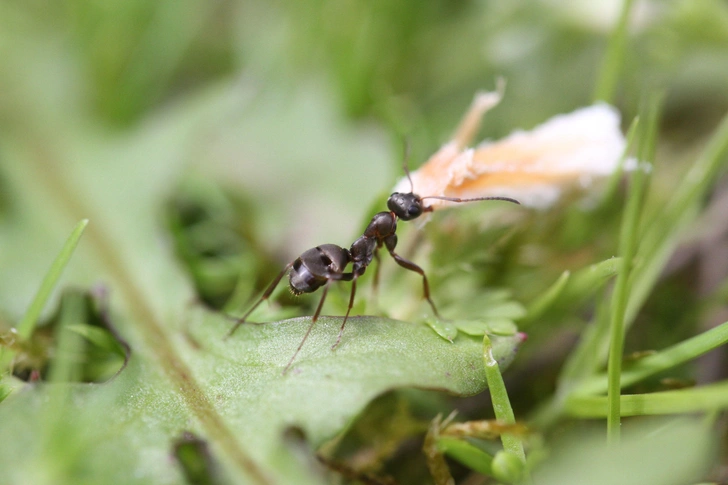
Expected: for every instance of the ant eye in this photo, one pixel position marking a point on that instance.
(414, 210)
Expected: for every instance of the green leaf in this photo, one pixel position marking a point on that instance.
(241, 381)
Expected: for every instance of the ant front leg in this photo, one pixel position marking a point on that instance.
(266, 294)
(391, 243)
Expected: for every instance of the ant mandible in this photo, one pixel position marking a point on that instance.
(323, 264)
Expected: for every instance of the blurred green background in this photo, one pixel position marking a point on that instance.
(311, 99)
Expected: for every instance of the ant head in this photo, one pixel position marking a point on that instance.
(406, 206)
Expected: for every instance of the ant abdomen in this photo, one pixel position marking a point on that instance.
(315, 267)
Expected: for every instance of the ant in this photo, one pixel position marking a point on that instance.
(323, 264)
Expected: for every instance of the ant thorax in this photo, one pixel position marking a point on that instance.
(362, 253)
(406, 206)
(382, 225)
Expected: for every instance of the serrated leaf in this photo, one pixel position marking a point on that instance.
(242, 379)
(442, 327)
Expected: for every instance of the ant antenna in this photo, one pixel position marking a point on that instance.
(457, 199)
(405, 164)
(409, 177)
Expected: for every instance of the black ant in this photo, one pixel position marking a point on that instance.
(323, 264)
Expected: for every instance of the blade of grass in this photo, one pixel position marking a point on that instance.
(65, 364)
(572, 288)
(26, 326)
(629, 236)
(700, 399)
(586, 358)
(30, 319)
(60, 436)
(671, 357)
(501, 403)
(583, 362)
(614, 58)
(661, 235)
(544, 301)
(610, 191)
(467, 454)
(658, 242)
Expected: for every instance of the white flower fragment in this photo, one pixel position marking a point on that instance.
(535, 167)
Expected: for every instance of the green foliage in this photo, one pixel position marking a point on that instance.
(239, 386)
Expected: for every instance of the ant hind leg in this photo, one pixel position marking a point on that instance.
(266, 294)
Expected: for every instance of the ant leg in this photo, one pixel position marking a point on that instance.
(469, 125)
(375, 279)
(413, 267)
(265, 296)
(348, 310)
(310, 327)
